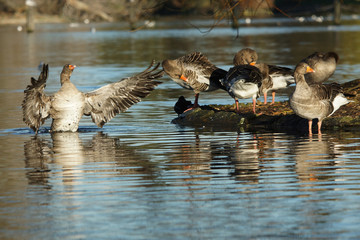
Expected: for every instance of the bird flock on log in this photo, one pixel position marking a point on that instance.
(247, 78)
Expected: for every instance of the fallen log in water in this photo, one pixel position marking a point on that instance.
(278, 116)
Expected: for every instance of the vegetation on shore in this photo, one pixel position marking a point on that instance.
(136, 10)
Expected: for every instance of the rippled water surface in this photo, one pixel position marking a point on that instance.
(141, 177)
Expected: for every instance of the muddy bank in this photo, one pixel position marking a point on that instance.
(278, 116)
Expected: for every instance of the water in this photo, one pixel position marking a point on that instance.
(141, 177)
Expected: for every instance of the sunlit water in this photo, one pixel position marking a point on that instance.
(141, 177)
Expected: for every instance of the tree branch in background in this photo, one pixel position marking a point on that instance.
(233, 10)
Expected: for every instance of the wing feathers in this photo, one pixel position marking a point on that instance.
(36, 104)
(327, 91)
(104, 103)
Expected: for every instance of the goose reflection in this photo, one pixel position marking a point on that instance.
(70, 157)
(314, 157)
(245, 157)
(206, 159)
(38, 154)
(192, 157)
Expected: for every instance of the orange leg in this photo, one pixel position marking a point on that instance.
(196, 104)
(310, 127)
(237, 105)
(265, 97)
(254, 104)
(319, 127)
(273, 97)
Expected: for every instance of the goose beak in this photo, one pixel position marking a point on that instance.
(72, 67)
(309, 69)
(252, 63)
(182, 77)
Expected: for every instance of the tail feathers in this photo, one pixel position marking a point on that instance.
(339, 101)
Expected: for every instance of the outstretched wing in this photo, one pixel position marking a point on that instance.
(36, 105)
(104, 103)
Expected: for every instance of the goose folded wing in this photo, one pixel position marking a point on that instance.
(200, 62)
(248, 73)
(273, 69)
(36, 105)
(327, 91)
(104, 103)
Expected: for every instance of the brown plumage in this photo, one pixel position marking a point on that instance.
(324, 65)
(245, 56)
(194, 72)
(68, 105)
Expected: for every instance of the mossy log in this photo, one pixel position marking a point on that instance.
(278, 116)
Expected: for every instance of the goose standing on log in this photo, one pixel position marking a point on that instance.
(280, 77)
(194, 72)
(245, 81)
(315, 100)
(68, 105)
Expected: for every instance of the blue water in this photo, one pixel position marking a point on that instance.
(141, 177)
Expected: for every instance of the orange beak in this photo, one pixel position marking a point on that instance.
(252, 63)
(72, 67)
(309, 69)
(183, 78)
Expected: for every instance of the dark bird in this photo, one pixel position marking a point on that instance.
(182, 105)
(67, 106)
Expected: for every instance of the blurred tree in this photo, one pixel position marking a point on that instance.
(93, 10)
(134, 10)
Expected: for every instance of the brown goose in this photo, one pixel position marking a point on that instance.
(68, 105)
(244, 81)
(280, 77)
(323, 64)
(315, 100)
(194, 72)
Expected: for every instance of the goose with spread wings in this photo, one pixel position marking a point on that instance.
(67, 106)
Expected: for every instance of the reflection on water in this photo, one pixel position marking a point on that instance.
(208, 179)
(141, 177)
(69, 153)
(313, 157)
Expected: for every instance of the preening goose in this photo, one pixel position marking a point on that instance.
(194, 72)
(68, 105)
(279, 77)
(323, 64)
(244, 81)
